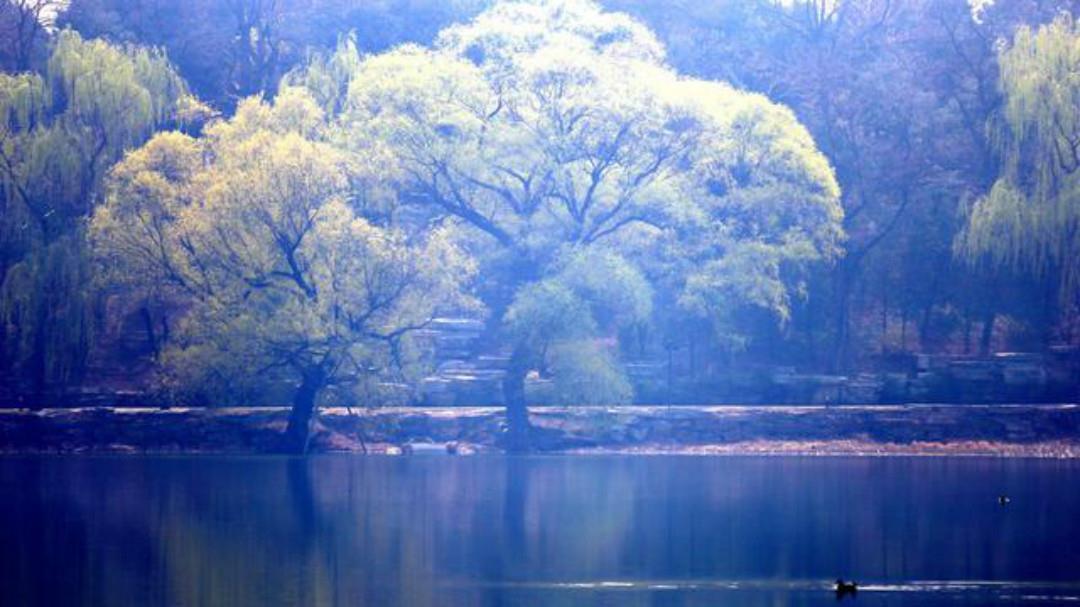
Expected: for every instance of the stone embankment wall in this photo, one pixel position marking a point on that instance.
(1041, 430)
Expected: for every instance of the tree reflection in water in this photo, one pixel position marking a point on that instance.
(328, 531)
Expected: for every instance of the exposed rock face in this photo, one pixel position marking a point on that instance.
(1047, 430)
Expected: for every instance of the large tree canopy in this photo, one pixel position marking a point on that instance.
(556, 131)
(256, 231)
(60, 131)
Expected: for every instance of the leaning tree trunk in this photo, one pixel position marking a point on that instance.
(298, 432)
(517, 412)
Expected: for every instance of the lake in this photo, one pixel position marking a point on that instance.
(536, 531)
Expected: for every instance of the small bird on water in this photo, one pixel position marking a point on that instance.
(1003, 499)
(844, 589)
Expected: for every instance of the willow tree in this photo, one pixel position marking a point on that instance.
(256, 233)
(556, 132)
(59, 132)
(1030, 220)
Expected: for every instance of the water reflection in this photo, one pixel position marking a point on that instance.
(535, 531)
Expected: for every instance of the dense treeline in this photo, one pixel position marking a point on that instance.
(905, 100)
(828, 184)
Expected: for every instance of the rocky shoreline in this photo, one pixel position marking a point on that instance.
(870, 430)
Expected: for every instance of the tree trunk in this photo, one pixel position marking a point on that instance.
(1050, 316)
(967, 333)
(298, 431)
(811, 333)
(884, 320)
(924, 327)
(903, 329)
(517, 412)
(842, 293)
(691, 344)
(151, 334)
(39, 355)
(987, 334)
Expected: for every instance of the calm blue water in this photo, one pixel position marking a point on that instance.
(536, 531)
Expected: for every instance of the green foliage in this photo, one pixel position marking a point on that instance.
(120, 93)
(557, 133)
(326, 77)
(586, 373)
(558, 320)
(45, 310)
(251, 230)
(601, 176)
(767, 202)
(59, 133)
(231, 49)
(546, 312)
(617, 292)
(1029, 221)
(62, 129)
